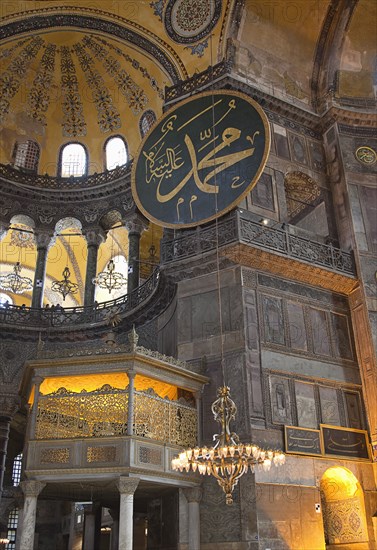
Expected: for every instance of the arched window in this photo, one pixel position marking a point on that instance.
(73, 160)
(146, 122)
(115, 152)
(26, 155)
(4, 298)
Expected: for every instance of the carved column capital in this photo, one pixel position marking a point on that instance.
(44, 239)
(9, 404)
(32, 487)
(127, 485)
(136, 224)
(94, 236)
(193, 494)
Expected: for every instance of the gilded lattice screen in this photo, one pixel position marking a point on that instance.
(104, 413)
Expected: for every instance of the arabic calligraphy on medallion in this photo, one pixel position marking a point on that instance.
(201, 159)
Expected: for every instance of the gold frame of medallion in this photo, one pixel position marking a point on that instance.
(251, 185)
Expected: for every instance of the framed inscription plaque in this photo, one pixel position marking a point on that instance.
(201, 159)
(345, 442)
(302, 441)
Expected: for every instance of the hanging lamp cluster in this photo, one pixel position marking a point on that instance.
(229, 459)
(65, 286)
(14, 282)
(110, 279)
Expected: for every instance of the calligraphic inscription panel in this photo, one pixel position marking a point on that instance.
(345, 442)
(302, 441)
(201, 159)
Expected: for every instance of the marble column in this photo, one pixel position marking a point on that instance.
(37, 381)
(114, 538)
(135, 226)
(43, 241)
(127, 487)
(94, 237)
(131, 399)
(9, 405)
(193, 496)
(31, 490)
(3, 230)
(92, 526)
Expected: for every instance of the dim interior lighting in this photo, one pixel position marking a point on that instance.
(264, 221)
(229, 459)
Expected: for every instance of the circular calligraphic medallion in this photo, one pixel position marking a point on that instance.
(366, 155)
(188, 21)
(201, 159)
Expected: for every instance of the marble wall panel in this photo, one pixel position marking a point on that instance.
(341, 336)
(263, 195)
(319, 331)
(273, 320)
(329, 406)
(280, 400)
(305, 403)
(297, 329)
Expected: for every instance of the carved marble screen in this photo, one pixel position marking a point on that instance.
(280, 400)
(305, 403)
(329, 406)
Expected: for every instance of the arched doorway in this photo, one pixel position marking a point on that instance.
(343, 509)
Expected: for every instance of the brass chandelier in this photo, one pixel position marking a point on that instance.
(229, 459)
(65, 286)
(15, 282)
(110, 279)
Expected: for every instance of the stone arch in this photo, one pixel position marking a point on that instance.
(23, 219)
(343, 508)
(68, 223)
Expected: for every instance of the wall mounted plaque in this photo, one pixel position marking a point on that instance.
(201, 159)
(302, 441)
(345, 442)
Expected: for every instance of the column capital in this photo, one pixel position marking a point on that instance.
(193, 494)
(44, 239)
(127, 485)
(32, 487)
(136, 224)
(37, 379)
(9, 404)
(94, 236)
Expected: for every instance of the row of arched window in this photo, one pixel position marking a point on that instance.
(73, 157)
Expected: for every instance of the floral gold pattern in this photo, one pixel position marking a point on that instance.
(39, 95)
(134, 95)
(108, 115)
(73, 118)
(10, 81)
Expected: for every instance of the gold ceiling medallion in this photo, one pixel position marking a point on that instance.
(229, 459)
(201, 159)
(366, 155)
